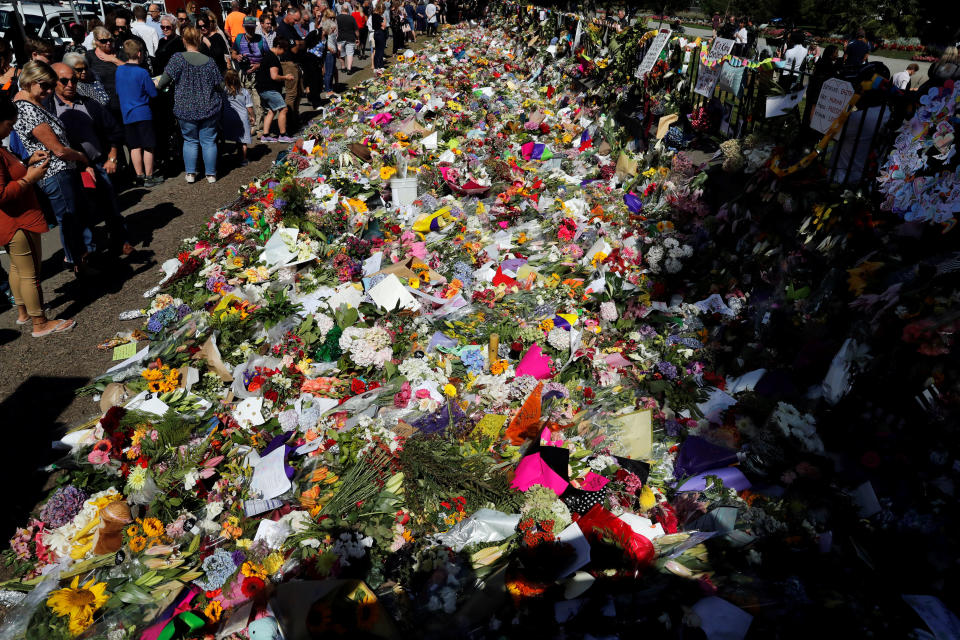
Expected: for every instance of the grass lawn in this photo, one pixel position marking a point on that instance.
(894, 53)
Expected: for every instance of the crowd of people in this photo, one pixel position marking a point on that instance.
(131, 97)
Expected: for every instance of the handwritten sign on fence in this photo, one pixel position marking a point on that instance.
(834, 97)
(653, 53)
(720, 48)
(707, 80)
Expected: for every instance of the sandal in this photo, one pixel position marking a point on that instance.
(60, 327)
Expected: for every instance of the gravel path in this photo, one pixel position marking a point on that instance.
(38, 376)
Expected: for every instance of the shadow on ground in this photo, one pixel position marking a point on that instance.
(30, 415)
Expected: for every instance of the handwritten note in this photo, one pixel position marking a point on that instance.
(707, 79)
(720, 48)
(124, 351)
(269, 477)
(653, 53)
(834, 97)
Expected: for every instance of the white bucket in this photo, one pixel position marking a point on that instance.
(404, 191)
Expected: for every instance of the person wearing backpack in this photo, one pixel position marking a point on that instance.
(247, 53)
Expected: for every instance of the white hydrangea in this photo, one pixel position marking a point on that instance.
(367, 347)
(559, 339)
(608, 311)
(418, 370)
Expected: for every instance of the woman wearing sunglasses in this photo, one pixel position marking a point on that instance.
(40, 130)
(103, 61)
(88, 84)
(214, 41)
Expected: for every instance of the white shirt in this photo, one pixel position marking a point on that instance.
(794, 59)
(741, 36)
(431, 11)
(149, 36)
(901, 80)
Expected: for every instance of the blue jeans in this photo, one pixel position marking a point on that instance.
(330, 65)
(63, 194)
(200, 135)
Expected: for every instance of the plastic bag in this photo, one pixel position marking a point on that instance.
(486, 525)
(16, 621)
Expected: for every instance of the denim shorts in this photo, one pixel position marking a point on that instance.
(272, 100)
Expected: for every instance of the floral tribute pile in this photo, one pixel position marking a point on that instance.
(565, 388)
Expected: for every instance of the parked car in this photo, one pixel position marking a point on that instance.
(41, 20)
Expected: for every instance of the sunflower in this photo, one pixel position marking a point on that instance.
(213, 611)
(137, 543)
(152, 527)
(367, 610)
(78, 602)
(132, 530)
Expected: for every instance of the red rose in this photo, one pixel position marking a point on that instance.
(272, 396)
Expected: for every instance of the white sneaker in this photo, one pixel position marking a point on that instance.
(191, 178)
(211, 179)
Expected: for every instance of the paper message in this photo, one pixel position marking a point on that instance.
(720, 48)
(707, 80)
(721, 620)
(256, 507)
(653, 53)
(636, 437)
(269, 476)
(124, 351)
(573, 536)
(137, 357)
(834, 97)
(782, 105)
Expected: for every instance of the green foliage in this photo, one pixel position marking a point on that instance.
(277, 308)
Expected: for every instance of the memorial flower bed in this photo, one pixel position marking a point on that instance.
(466, 363)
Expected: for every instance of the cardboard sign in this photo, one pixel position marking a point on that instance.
(653, 53)
(707, 80)
(834, 97)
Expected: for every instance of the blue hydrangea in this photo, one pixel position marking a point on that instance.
(692, 343)
(218, 568)
(473, 361)
(463, 272)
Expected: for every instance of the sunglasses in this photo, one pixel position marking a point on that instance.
(166, 27)
(66, 81)
(203, 27)
(80, 69)
(46, 86)
(104, 40)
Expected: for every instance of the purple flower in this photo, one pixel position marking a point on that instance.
(667, 370)
(238, 557)
(155, 323)
(279, 203)
(672, 427)
(62, 506)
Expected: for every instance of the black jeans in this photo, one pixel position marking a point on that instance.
(379, 44)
